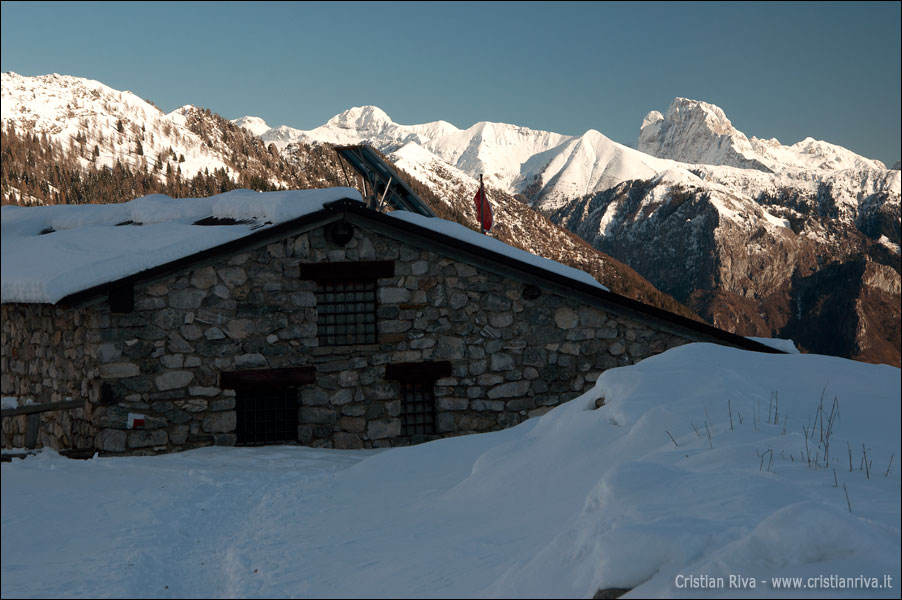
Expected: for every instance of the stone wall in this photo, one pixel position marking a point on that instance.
(48, 356)
(511, 357)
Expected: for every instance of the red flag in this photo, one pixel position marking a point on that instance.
(483, 207)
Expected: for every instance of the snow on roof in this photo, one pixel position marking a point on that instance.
(50, 252)
(469, 236)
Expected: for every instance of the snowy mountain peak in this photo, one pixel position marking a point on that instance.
(255, 125)
(712, 116)
(651, 119)
(356, 125)
(597, 136)
(362, 118)
(698, 132)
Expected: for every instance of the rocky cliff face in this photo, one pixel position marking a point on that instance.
(791, 263)
(696, 132)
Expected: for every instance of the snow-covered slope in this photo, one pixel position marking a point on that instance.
(104, 126)
(498, 150)
(703, 463)
(591, 163)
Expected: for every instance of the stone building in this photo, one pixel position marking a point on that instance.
(296, 317)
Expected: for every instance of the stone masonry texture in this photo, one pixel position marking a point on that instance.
(511, 358)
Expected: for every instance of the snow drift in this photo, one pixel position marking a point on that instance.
(701, 463)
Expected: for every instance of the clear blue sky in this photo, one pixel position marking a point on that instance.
(787, 70)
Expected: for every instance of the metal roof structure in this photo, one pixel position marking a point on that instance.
(381, 183)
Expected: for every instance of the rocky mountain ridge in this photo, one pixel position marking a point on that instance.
(547, 169)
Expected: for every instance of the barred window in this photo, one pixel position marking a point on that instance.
(266, 403)
(346, 312)
(417, 390)
(346, 300)
(266, 416)
(417, 408)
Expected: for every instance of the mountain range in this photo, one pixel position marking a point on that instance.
(760, 238)
(72, 140)
(757, 237)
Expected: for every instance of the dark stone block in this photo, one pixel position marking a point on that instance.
(150, 332)
(218, 348)
(375, 411)
(322, 431)
(250, 309)
(318, 415)
(305, 434)
(138, 350)
(132, 384)
(168, 395)
(178, 416)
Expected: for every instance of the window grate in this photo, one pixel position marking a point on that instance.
(417, 408)
(266, 416)
(346, 312)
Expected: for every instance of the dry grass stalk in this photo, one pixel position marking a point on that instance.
(671, 439)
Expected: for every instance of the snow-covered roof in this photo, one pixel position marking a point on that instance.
(51, 252)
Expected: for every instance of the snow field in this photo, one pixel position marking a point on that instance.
(633, 494)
